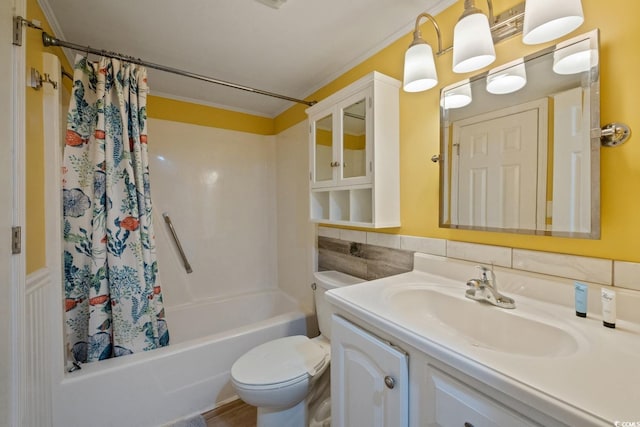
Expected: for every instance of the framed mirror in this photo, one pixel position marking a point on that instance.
(520, 145)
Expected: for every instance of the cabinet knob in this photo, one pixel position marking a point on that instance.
(389, 382)
(334, 164)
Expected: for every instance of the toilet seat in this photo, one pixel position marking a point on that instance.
(280, 363)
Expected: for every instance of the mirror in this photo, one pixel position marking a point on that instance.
(517, 152)
(324, 149)
(354, 140)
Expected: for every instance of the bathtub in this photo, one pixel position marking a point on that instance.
(190, 376)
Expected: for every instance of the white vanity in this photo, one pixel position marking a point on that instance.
(411, 350)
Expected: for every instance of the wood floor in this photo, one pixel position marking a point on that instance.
(233, 414)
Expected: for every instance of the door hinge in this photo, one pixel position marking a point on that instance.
(18, 22)
(310, 176)
(16, 240)
(17, 30)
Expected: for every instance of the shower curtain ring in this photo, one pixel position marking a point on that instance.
(86, 54)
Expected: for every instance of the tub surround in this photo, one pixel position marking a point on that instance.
(592, 383)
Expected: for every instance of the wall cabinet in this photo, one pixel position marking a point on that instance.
(369, 379)
(354, 163)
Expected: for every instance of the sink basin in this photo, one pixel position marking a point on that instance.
(481, 324)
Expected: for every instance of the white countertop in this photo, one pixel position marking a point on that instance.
(601, 378)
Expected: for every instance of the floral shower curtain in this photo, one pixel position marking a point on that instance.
(112, 297)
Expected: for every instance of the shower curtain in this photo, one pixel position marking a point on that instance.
(112, 297)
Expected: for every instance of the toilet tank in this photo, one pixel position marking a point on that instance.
(326, 280)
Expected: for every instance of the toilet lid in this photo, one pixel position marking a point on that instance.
(280, 361)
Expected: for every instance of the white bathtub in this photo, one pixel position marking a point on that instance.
(189, 376)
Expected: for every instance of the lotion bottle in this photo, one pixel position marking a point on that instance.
(608, 308)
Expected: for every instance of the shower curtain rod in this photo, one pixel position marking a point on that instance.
(49, 40)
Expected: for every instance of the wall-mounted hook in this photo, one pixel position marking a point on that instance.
(614, 134)
(37, 80)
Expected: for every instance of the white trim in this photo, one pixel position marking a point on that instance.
(36, 280)
(19, 397)
(52, 114)
(37, 357)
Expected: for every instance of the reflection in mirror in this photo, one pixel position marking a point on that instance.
(354, 140)
(517, 155)
(324, 148)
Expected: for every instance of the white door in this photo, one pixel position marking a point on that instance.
(498, 162)
(369, 379)
(11, 214)
(572, 162)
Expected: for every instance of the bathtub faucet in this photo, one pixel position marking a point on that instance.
(485, 289)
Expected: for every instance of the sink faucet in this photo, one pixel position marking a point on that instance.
(485, 289)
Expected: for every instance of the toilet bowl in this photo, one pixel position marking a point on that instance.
(287, 377)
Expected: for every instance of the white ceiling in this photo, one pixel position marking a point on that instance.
(293, 50)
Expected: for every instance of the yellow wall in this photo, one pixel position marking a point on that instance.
(419, 133)
(179, 111)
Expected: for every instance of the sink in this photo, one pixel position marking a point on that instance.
(480, 324)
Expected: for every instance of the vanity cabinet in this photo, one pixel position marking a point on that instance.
(354, 163)
(438, 394)
(369, 379)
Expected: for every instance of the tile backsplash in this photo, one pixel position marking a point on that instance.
(372, 255)
(360, 259)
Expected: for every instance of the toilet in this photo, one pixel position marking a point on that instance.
(287, 379)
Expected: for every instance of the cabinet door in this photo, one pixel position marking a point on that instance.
(355, 140)
(369, 379)
(453, 403)
(322, 150)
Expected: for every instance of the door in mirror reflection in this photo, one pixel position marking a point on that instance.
(526, 159)
(324, 149)
(354, 140)
(496, 166)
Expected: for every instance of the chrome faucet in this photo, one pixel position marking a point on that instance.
(485, 289)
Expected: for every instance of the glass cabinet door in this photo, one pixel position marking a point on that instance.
(324, 162)
(354, 140)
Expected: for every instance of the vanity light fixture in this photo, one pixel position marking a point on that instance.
(574, 58)
(507, 78)
(546, 20)
(472, 42)
(541, 21)
(419, 66)
(456, 96)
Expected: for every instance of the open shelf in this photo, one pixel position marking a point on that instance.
(320, 205)
(343, 206)
(361, 205)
